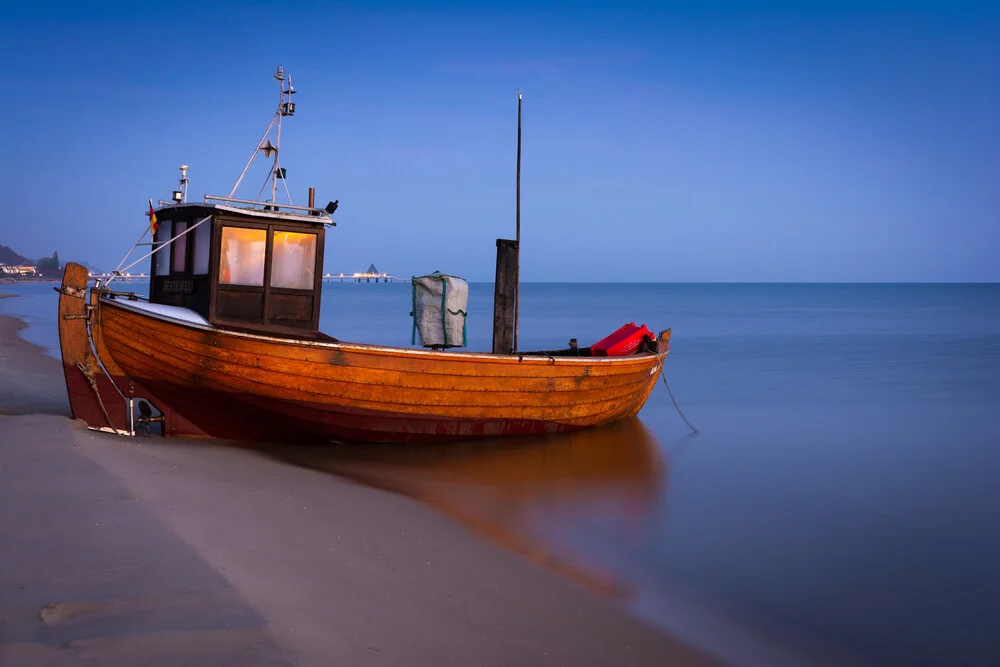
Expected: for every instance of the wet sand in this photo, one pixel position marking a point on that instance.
(513, 491)
(30, 380)
(155, 552)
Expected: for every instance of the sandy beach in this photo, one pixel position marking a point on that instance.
(30, 381)
(166, 552)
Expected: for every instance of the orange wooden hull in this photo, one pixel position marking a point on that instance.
(220, 383)
(92, 395)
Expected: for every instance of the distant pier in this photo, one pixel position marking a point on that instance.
(372, 274)
(365, 277)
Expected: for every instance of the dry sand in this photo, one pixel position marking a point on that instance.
(152, 552)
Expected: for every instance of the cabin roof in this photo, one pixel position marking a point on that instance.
(203, 208)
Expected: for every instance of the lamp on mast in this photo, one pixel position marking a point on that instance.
(180, 194)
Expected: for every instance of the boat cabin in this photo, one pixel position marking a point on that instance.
(242, 268)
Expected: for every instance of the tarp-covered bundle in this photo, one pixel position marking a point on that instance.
(439, 310)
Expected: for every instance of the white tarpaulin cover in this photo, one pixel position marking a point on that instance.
(439, 310)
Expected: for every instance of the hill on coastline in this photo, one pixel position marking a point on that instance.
(11, 258)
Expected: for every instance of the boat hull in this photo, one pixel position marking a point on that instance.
(92, 396)
(226, 384)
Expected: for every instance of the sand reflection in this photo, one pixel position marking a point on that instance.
(511, 489)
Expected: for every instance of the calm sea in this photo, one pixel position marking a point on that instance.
(841, 495)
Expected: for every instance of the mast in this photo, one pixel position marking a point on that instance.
(285, 108)
(507, 284)
(517, 268)
(518, 237)
(282, 111)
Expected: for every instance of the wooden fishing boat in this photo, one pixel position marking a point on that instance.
(227, 345)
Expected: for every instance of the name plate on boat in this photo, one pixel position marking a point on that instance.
(178, 286)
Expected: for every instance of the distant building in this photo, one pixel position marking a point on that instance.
(25, 271)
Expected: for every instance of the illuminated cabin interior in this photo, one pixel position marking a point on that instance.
(242, 269)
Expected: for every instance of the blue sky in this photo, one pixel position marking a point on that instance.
(662, 141)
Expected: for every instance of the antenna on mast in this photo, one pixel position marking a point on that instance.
(285, 108)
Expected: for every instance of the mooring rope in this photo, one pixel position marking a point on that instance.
(663, 376)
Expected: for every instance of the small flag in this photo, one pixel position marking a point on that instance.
(153, 224)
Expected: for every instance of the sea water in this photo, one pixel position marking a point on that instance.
(841, 491)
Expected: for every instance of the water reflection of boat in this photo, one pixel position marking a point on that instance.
(623, 457)
(510, 490)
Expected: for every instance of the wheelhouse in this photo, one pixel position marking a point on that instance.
(241, 268)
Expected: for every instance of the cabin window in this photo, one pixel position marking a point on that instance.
(241, 261)
(202, 247)
(163, 234)
(293, 262)
(178, 263)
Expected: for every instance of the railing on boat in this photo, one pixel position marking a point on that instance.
(327, 277)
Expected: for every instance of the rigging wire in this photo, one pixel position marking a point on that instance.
(163, 245)
(131, 250)
(284, 182)
(252, 157)
(266, 181)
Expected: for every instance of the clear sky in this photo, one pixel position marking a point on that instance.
(695, 141)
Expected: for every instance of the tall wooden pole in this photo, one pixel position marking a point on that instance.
(518, 237)
(517, 288)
